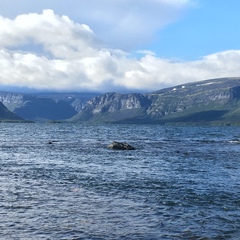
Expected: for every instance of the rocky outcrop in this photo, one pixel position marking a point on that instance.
(120, 146)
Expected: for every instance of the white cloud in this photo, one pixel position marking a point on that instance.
(74, 60)
(162, 72)
(58, 35)
(124, 24)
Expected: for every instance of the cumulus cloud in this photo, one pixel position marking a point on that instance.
(58, 35)
(124, 24)
(73, 59)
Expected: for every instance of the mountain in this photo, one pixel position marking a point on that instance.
(8, 116)
(215, 101)
(113, 107)
(45, 106)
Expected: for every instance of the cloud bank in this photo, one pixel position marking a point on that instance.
(51, 52)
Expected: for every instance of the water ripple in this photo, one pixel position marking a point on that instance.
(59, 181)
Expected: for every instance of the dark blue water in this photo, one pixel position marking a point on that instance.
(180, 182)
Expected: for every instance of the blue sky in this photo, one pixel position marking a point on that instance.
(212, 26)
(117, 45)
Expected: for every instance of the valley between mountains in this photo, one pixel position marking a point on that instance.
(214, 101)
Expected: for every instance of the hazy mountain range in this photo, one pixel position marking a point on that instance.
(45, 106)
(214, 101)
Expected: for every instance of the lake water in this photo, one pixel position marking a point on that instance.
(179, 183)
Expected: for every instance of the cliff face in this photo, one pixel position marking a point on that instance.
(113, 107)
(204, 101)
(112, 102)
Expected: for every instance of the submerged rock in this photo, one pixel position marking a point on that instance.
(120, 146)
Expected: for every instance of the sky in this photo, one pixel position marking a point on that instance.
(117, 45)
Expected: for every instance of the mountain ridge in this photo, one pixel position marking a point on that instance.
(212, 101)
(208, 101)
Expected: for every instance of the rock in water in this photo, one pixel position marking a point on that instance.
(120, 146)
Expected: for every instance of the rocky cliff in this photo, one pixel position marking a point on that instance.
(215, 100)
(113, 107)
